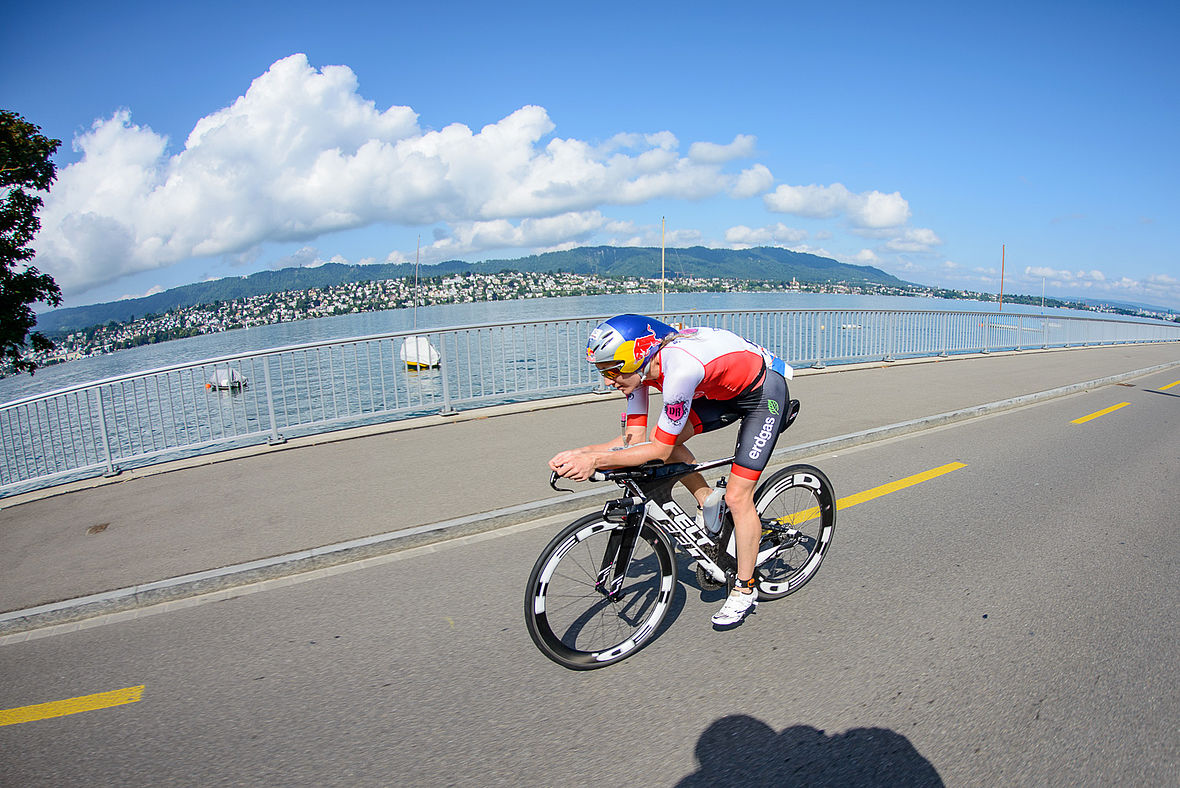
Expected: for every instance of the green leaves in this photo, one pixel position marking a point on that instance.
(25, 164)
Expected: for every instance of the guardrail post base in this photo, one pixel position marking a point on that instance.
(819, 365)
(276, 440)
(112, 472)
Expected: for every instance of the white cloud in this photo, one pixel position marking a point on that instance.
(872, 209)
(1161, 289)
(151, 291)
(914, 239)
(624, 233)
(302, 153)
(742, 147)
(752, 182)
(467, 237)
(866, 257)
(774, 235)
(819, 251)
(306, 257)
(1065, 278)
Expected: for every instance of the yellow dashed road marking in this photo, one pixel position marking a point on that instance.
(60, 708)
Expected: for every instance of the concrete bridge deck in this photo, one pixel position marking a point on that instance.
(175, 530)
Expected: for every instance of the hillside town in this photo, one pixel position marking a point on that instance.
(359, 297)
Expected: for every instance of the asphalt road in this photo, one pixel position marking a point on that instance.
(1012, 622)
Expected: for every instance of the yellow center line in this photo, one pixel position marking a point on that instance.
(1102, 412)
(876, 492)
(909, 481)
(1165, 388)
(60, 708)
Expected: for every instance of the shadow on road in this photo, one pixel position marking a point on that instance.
(742, 751)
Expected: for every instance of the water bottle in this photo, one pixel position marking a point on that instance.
(714, 508)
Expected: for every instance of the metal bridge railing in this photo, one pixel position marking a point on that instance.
(269, 396)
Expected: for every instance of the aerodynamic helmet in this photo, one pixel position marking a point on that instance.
(630, 339)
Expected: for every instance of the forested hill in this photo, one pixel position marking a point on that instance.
(762, 263)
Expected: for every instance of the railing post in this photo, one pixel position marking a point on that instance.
(890, 335)
(443, 370)
(112, 469)
(275, 438)
(817, 341)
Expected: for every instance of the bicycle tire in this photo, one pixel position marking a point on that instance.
(579, 626)
(801, 498)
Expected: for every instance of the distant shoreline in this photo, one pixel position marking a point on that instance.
(398, 293)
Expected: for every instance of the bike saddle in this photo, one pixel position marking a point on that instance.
(792, 412)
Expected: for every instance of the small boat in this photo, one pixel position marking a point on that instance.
(850, 326)
(418, 353)
(227, 379)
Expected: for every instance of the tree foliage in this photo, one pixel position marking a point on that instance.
(25, 169)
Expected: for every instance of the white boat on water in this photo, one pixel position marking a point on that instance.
(418, 353)
(226, 379)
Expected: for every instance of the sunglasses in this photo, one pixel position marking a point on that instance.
(610, 373)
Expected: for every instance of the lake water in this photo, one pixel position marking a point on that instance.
(208, 346)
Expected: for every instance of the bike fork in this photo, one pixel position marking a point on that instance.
(620, 548)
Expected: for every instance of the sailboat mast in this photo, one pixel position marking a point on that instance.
(662, 277)
(417, 256)
(1001, 309)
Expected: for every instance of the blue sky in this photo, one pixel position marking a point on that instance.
(921, 138)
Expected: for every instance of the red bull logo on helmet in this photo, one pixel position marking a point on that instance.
(645, 343)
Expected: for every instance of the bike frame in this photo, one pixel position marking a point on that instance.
(652, 503)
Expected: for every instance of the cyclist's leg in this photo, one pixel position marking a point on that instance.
(757, 435)
(706, 415)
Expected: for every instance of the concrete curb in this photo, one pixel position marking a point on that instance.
(197, 583)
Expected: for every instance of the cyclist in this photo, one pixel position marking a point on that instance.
(709, 379)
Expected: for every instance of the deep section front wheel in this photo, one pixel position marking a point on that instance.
(598, 592)
(798, 510)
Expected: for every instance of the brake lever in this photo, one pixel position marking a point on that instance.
(596, 476)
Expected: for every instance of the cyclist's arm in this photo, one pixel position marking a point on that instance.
(578, 465)
(634, 425)
(626, 450)
(633, 437)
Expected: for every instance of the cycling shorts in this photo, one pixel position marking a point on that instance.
(762, 410)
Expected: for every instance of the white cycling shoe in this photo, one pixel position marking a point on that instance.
(737, 606)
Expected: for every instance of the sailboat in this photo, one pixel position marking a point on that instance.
(417, 352)
(226, 379)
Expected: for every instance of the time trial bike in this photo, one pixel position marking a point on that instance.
(603, 585)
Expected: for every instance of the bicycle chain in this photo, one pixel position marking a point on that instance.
(704, 579)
